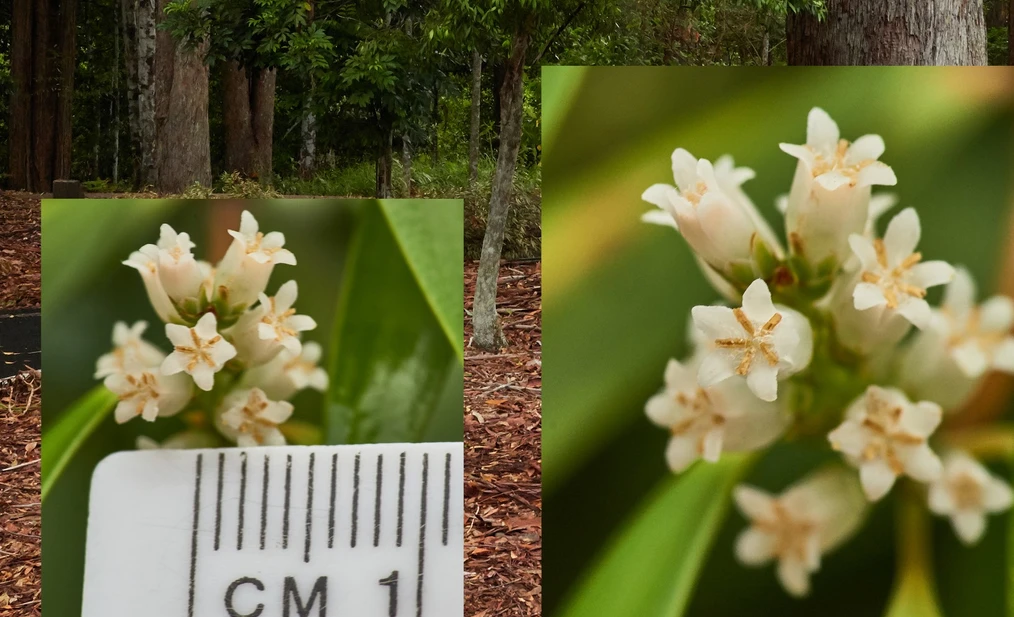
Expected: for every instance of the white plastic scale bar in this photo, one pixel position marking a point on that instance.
(322, 531)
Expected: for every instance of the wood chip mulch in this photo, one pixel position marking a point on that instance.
(20, 507)
(503, 454)
(20, 253)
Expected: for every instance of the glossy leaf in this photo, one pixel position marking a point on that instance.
(652, 566)
(64, 437)
(395, 348)
(559, 89)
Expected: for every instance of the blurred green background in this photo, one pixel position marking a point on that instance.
(617, 301)
(382, 280)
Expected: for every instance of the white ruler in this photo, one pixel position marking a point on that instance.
(294, 531)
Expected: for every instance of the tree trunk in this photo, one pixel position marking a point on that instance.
(115, 112)
(128, 13)
(473, 136)
(308, 141)
(406, 163)
(42, 72)
(996, 15)
(145, 11)
(248, 119)
(485, 325)
(182, 152)
(766, 50)
(889, 32)
(385, 159)
(434, 142)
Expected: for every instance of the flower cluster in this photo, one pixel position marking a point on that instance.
(237, 353)
(828, 336)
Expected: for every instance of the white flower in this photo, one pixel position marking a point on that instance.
(891, 274)
(146, 262)
(978, 337)
(966, 492)
(288, 373)
(148, 393)
(251, 419)
(199, 351)
(130, 351)
(730, 179)
(830, 195)
(715, 226)
(179, 272)
(244, 271)
(704, 422)
(759, 341)
(884, 435)
(809, 519)
(271, 326)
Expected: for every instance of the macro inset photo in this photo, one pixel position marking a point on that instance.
(779, 318)
(254, 325)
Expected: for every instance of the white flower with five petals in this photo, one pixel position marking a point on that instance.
(270, 326)
(967, 492)
(885, 436)
(130, 351)
(244, 271)
(251, 419)
(809, 519)
(758, 341)
(199, 351)
(891, 273)
(288, 373)
(830, 195)
(704, 422)
(978, 336)
(148, 393)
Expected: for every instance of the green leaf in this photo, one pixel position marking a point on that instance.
(914, 594)
(559, 89)
(1010, 550)
(398, 334)
(62, 439)
(651, 568)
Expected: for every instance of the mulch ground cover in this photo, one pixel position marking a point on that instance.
(503, 455)
(20, 507)
(20, 253)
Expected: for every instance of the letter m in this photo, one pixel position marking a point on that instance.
(291, 596)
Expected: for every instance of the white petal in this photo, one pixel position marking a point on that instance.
(940, 499)
(755, 504)
(712, 445)
(301, 323)
(286, 296)
(833, 180)
(203, 376)
(247, 224)
(680, 452)
(677, 375)
(877, 479)
(923, 464)
(684, 169)
(881, 203)
(821, 130)
(1003, 355)
(916, 311)
(794, 577)
(717, 322)
(996, 495)
(877, 174)
(803, 153)
(996, 314)
(274, 437)
(178, 335)
(659, 217)
(902, 236)
(277, 412)
(867, 147)
(659, 195)
(757, 302)
(125, 411)
(173, 363)
(850, 437)
(867, 295)
(662, 410)
(150, 411)
(782, 204)
(969, 526)
(222, 352)
(864, 250)
(763, 380)
(921, 419)
(755, 547)
(207, 326)
(716, 367)
(959, 296)
(971, 359)
(932, 273)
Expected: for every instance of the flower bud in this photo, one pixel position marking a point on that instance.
(243, 273)
(179, 272)
(146, 261)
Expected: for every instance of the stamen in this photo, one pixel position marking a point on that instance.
(731, 342)
(878, 246)
(771, 323)
(909, 261)
(744, 364)
(743, 320)
(769, 354)
(870, 277)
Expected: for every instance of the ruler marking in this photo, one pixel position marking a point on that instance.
(401, 497)
(218, 500)
(242, 499)
(193, 535)
(288, 499)
(376, 505)
(422, 536)
(355, 501)
(447, 493)
(334, 494)
(264, 501)
(309, 513)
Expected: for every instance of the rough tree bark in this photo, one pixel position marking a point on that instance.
(434, 142)
(144, 15)
(406, 163)
(473, 135)
(248, 119)
(889, 32)
(385, 160)
(42, 71)
(308, 138)
(128, 13)
(182, 152)
(485, 325)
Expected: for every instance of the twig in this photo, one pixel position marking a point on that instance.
(12, 468)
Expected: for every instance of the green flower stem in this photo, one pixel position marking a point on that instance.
(983, 442)
(913, 594)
